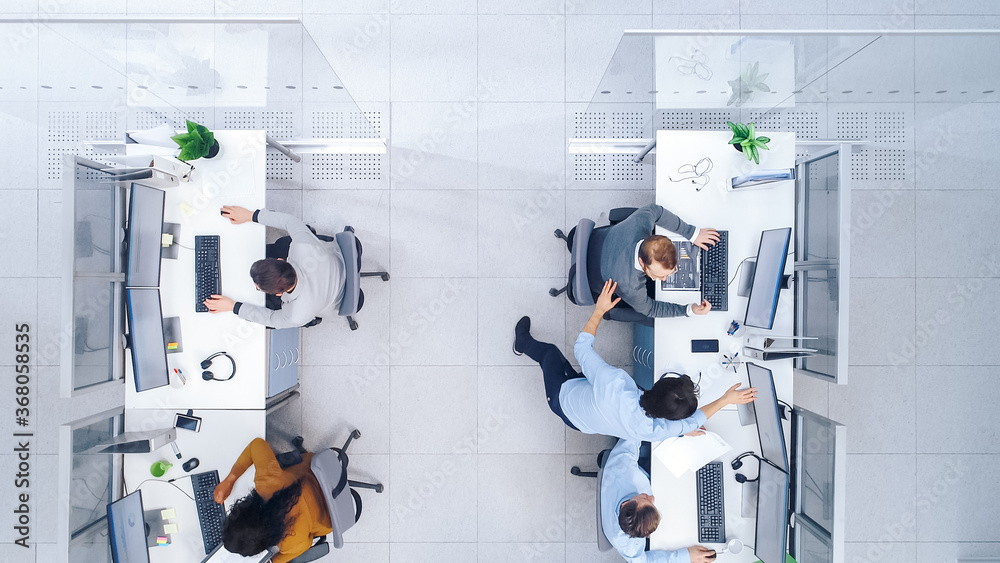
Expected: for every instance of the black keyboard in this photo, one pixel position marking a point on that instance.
(210, 514)
(207, 273)
(711, 508)
(715, 273)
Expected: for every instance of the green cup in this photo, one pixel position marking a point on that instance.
(159, 468)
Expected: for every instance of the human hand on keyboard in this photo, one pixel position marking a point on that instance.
(706, 237)
(702, 308)
(223, 489)
(219, 304)
(701, 554)
(236, 214)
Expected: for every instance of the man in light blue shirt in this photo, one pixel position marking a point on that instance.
(606, 400)
(628, 514)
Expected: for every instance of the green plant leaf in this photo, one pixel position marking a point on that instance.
(191, 126)
(732, 126)
(750, 134)
(763, 140)
(744, 131)
(753, 152)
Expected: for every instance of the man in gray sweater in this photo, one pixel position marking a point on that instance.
(631, 253)
(310, 282)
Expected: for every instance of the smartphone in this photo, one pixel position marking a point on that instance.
(187, 422)
(698, 346)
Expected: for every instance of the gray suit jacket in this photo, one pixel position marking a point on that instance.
(618, 258)
(319, 271)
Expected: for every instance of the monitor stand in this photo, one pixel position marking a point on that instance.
(154, 526)
(171, 251)
(746, 278)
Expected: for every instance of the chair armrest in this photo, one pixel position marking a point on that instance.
(619, 214)
(628, 316)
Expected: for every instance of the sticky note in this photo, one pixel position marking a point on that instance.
(185, 208)
(168, 514)
(162, 540)
(170, 528)
(166, 239)
(171, 345)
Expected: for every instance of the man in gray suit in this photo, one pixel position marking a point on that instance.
(310, 283)
(631, 253)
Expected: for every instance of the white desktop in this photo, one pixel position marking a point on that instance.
(745, 214)
(234, 177)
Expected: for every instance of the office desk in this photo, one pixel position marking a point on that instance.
(223, 435)
(234, 177)
(744, 214)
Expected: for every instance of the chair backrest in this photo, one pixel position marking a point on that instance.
(579, 290)
(352, 286)
(602, 540)
(330, 469)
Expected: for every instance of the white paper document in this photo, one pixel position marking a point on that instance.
(690, 453)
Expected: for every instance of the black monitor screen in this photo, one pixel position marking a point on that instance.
(767, 277)
(149, 352)
(145, 229)
(772, 514)
(127, 530)
(768, 415)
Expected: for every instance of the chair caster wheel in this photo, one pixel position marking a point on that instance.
(575, 470)
(379, 488)
(385, 277)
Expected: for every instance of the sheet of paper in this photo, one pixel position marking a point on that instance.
(690, 453)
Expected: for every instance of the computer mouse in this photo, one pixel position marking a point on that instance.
(190, 464)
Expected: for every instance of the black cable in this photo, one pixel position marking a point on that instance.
(162, 481)
(737, 271)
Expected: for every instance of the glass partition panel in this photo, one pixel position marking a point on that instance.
(93, 483)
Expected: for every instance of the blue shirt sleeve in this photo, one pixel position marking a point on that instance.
(663, 428)
(676, 556)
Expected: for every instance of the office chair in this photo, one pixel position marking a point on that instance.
(354, 298)
(602, 541)
(329, 466)
(351, 249)
(584, 281)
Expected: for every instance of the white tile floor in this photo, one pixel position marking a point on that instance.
(477, 98)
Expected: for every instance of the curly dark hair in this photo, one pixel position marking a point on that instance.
(254, 525)
(673, 398)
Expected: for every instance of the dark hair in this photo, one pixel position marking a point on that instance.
(672, 398)
(272, 275)
(638, 522)
(659, 249)
(254, 524)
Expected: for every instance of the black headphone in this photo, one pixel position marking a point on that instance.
(207, 363)
(738, 463)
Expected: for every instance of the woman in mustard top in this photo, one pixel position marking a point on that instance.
(286, 508)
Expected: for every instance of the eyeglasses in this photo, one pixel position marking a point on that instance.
(696, 173)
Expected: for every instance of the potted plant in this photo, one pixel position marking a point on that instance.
(746, 141)
(198, 142)
(747, 84)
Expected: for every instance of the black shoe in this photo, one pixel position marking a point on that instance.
(521, 332)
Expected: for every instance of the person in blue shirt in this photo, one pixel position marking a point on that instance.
(628, 515)
(605, 399)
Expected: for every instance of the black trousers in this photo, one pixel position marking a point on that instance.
(556, 370)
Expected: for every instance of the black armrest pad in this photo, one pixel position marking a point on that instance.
(628, 316)
(619, 214)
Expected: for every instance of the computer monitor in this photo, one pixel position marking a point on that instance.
(768, 416)
(770, 267)
(772, 514)
(127, 530)
(146, 343)
(145, 229)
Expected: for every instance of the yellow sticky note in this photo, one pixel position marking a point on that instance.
(168, 514)
(166, 239)
(171, 345)
(170, 528)
(185, 208)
